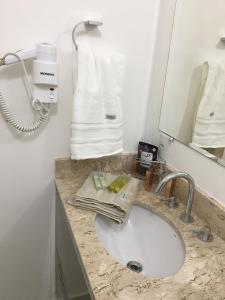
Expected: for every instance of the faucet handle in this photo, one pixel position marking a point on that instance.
(171, 201)
(204, 234)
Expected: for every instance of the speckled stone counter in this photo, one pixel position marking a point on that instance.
(201, 277)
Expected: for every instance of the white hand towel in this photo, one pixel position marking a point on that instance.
(209, 127)
(97, 121)
(115, 206)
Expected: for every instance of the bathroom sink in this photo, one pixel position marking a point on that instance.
(146, 243)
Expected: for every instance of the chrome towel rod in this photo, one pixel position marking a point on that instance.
(89, 23)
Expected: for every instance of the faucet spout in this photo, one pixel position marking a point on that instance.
(186, 215)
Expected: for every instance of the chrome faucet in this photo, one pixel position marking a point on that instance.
(186, 215)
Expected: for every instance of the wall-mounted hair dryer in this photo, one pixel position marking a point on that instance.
(43, 90)
(44, 73)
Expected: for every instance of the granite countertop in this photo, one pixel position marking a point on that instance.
(201, 277)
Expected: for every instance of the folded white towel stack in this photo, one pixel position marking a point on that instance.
(115, 206)
(209, 127)
(97, 121)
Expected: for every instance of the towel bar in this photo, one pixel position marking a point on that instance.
(88, 22)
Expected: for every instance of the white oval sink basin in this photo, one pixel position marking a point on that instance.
(145, 238)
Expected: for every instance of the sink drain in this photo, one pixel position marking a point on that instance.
(135, 266)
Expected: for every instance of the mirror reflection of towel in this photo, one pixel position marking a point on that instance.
(209, 127)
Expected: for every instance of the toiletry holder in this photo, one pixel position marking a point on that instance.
(152, 172)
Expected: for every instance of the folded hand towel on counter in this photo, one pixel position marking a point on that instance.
(209, 127)
(97, 121)
(115, 206)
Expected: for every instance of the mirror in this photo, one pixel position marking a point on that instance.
(193, 107)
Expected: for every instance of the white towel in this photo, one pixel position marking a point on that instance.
(209, 127)
(97, 121)
(115, 206)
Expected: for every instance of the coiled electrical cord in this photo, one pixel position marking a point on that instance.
(36, 104)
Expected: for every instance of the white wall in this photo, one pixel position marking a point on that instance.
(26, 172)
(208, 175)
